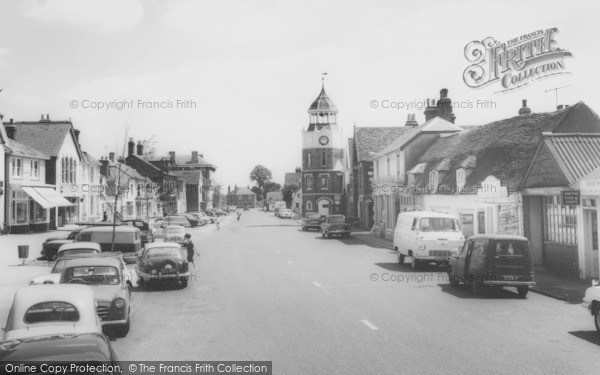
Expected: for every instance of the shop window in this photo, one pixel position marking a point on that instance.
(308, 159)
(39, 213)
(561, 221)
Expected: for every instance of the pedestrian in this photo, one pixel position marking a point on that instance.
(191, 248)
(217, 222)
(239, 213)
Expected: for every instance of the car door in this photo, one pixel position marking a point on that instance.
(461, 259)
(476, 263)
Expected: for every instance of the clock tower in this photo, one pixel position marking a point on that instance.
(323, 159)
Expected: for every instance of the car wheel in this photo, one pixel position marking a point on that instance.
(415, 264)
(523, 290)
(53, 257)
(123, 330)
(400, 258)
(476, 286)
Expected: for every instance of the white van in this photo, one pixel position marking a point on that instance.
(426, 237)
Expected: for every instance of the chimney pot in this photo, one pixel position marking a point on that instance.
(560, 107)
(194, 157)
(11, 121)
(172, 156)
(130, 147)
(524, 110)
(42, 117)
(140, 149)
(111, 156)
(443, 93)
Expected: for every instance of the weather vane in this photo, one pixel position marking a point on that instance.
(323, 79)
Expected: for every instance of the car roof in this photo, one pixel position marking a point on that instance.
(106, 254)
(80, 245)
(27, 296)
(64, 347)
(118, 228)
(94, 261)
(427, 214)
(498, 236)
(162, 244)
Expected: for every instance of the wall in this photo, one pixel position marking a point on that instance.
(562, 259)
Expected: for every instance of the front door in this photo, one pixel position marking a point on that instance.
(591, 230)
(323, 207)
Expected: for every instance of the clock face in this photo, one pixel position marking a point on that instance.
(323, 140)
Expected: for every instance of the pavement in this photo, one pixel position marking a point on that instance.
(548, 284)
(266, 290)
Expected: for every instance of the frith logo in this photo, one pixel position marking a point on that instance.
(515, 63)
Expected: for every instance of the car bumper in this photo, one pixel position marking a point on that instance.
(437, 259)
(172, 276)
(509, 283)
(338, 231)
(108, 323)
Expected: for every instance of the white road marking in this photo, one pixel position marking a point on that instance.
(369, 324)
(289, 261)
(316, 284)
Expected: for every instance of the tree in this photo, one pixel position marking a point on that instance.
(261, 175)
(149, 147)
(288, 193)
(217, 198)
(272, 186)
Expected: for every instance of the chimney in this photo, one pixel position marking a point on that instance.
(430, 111)
(194, 157)
(140, 148)
(172, 156)
(201, 156)
(445, 106)
(11, 121)
(130, 147)
(10, 131)
(47, 116)
(525, 110)
(410, 121)
(560, 107)
(111, 156)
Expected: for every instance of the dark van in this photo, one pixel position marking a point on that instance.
(494, 260)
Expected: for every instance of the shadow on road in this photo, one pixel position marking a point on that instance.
(393, 267)
(589, 336)
(489, 293)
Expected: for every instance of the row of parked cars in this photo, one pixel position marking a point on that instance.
(86, 296)
(328, 225)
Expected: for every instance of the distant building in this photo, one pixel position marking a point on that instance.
(293, 178)
(242, 198)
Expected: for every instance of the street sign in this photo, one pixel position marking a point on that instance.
(571, 197)
(590, 187)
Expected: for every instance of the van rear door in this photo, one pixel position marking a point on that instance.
(511, 260)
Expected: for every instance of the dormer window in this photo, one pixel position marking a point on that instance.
(433, 180)
(460, 178)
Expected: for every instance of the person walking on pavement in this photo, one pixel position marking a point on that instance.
(239, 213)
(218, 222)
(191, 248)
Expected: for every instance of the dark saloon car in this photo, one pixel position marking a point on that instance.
(493, 260)
(160, 262)
(51, 245)
(312, 220)
(335, 225)
(146, 231)
(84, 348)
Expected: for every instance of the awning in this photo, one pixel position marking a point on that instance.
(46, 197)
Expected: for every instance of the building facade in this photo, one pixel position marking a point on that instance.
(323, 160)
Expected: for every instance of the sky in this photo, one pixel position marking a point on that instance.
(233, 80)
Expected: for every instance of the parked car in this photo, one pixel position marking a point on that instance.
(76, 248)
(51, 309)
(127, 239)
(54, 276)
(311, 220)
(493, 260)
(591, 302)
(219, 212)
(335, 225)
(73, 348)
(201, 217)
(146, 230)
(174, 220)
(286, 213)
(163, 262)
(426, 237)
(194, 221)
(211, 215)
(111, 290)
(174, 233)
(51, 245)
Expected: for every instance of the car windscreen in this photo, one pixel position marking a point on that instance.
(53, 311)
(509, 248)
(92, 275)
(313, 216)
(337, 219)
(439, 224)
(162, 252)
(59, 265)
(78, 251)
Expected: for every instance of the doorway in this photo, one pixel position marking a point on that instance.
(591, 241)
(323, 207)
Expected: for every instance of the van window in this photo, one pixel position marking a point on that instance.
(106, 237)
(84, 237)
(414, 225)
(511, 248)
(439, 224)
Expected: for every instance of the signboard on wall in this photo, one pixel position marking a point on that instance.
(508, 219)
(590, 187)
(571, 198)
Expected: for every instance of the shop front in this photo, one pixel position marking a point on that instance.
(29, 208)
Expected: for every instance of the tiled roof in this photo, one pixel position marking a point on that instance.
(322, 103)
(243, 191)
(374, 139)
(435, 125)
(502, 148)
(577, 154)
(87, 158)
(46, 137)
(20, 149)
